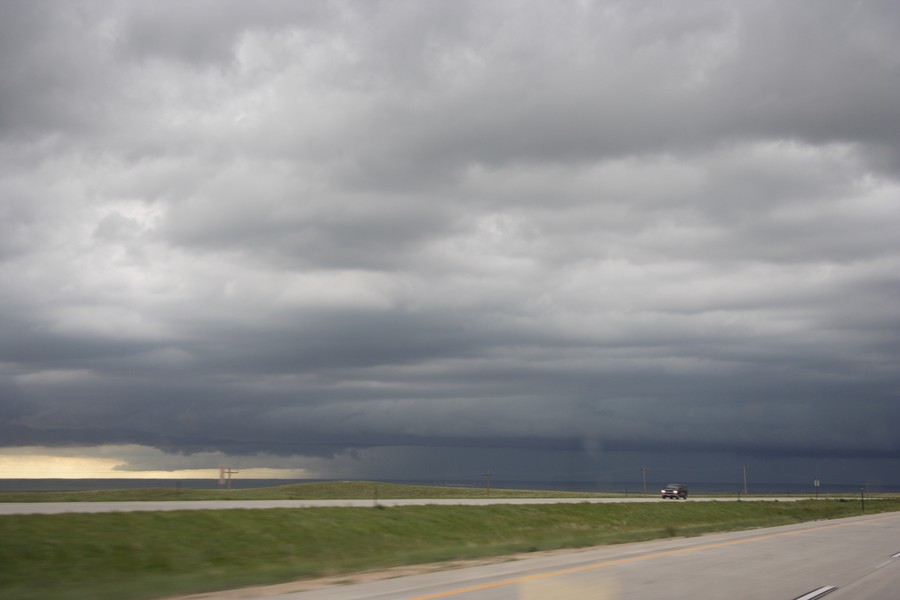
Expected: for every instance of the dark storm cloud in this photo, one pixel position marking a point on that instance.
(400, 237)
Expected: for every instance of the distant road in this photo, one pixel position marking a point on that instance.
(22, 508)
(857, 558)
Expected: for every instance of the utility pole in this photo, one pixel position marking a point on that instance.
(225, 474)
(487, 479)
(644, 472)
(745, 479)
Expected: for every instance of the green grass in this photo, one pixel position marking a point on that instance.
(154, 554)
(300, 491)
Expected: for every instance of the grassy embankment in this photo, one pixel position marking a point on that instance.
(150, 555)
(368, 490)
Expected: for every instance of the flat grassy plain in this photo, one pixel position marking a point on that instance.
(143, 555)
(344, 490)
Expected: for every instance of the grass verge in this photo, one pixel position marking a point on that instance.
(301, 491)
(146, 555)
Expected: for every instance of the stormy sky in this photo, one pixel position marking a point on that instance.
(422, 239)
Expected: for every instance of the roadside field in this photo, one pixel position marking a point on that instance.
(144, 555)
(343, 490)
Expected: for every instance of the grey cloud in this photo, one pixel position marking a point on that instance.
(45, 87)
(774, 73)
(378, 237)
(205, 33)
(824, 74)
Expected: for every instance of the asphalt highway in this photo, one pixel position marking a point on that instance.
(856, 558)
(22, 508)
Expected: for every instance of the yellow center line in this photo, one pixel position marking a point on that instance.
(634, 559)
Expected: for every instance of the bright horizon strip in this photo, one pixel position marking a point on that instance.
(48, 466)
(634, 559)
(43, 463)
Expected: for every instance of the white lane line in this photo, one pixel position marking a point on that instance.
(817, 593)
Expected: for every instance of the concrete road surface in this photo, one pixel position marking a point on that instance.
(22, 508)
(856, 558)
